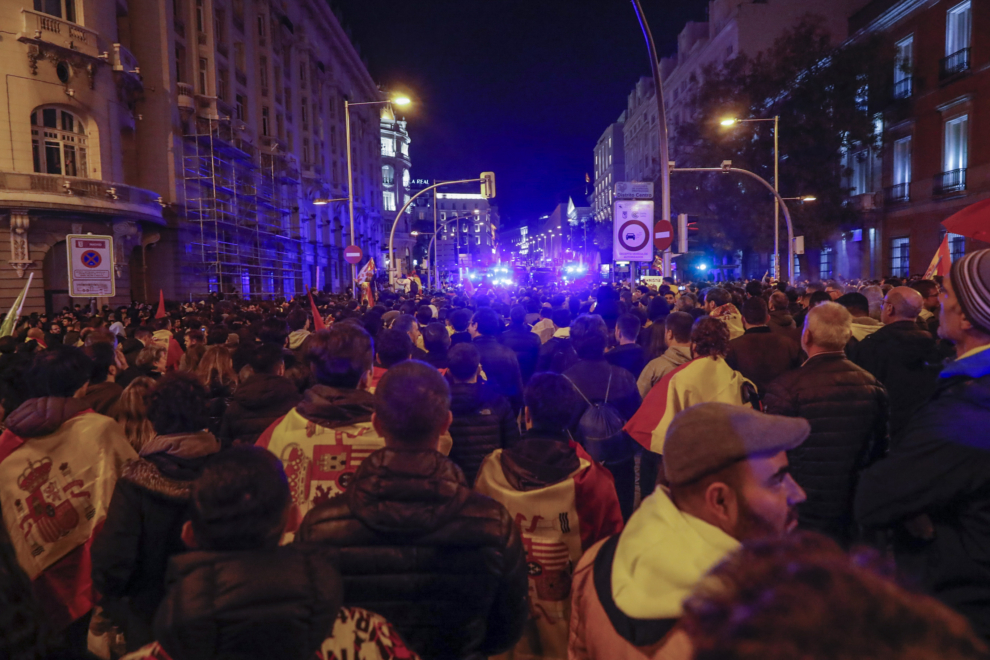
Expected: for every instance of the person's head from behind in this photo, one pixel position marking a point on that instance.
(727, 465)
(153, 357)
(901, 303)
(827, 329)
(561, 318)
(589, 334)
(686, 303)
(783, 598)
(62, 371)
(677, 329)
(755, 313)
(240, 501)
(460, 319)
(856, 303)
(341, 356)
(816, 298)
(709, 338)
(164, 323)
(485, 323)
(297, 320)
(177, 404)
(436, 339)
(778, 301)
(412, 406)
(424, 315)
(627, 328)
(268, 360)
(131, 411)
(464, 363)
(717, 297)
(551, 403)
(104, 359)
(273, 331)
(517, 315)
(392, 346)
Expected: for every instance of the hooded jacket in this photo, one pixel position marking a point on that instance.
(627, 594)
(847, 408)
(102, 396)
(296, 339)
(483, 422)
(526, 345)
(59, 463)
(258, 402)
(762, 355)
(905, 359)
(143, 529)
(443, 563)
(564, 503)
(864, 326)
(939, 466)
(659, 367)
(729, 315)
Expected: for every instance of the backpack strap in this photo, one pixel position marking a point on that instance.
(608, 388)
(578, 390)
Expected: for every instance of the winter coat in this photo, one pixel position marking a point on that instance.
(847, 408)
(502, 369)
(783, 323)
(557, 354)
(939, 466)
(762, 355)
(904, 358)
(630, 357)
(274, 603)
(863, 327)
(657, 368)
(526, 345)
(323, 440)
(258, 402)
(627, 596)
(563, 503)
(220, 395)
(483, 422)
(415, 544)
(460, 338)
(143, 529)
(102, 396)
(58, 468)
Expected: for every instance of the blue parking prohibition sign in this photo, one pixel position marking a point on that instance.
(91, 259)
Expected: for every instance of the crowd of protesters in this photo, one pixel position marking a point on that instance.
(745, 470)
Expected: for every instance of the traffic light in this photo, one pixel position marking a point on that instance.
(682, 233)
(488, 184)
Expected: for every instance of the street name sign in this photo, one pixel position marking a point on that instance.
(90, 266)
(634, 190)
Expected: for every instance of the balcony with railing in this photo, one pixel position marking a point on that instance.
(955, 64)
(897, 193)
(950, 182)
(904, 88)
(54, 31)
(56, 192)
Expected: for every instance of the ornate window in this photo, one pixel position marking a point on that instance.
(58, 142)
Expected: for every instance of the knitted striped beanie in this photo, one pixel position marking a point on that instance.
(971, 282)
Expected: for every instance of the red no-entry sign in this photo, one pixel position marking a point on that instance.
(353, 254)
(663, 235)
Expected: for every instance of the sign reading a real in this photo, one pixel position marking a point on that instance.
(632, 238)
(91, 272)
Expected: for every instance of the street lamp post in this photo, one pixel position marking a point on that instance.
(776, 184)
(401, 100)
(725, 169)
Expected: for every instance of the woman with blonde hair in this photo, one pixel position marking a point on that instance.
(216, 373)
(131, 412)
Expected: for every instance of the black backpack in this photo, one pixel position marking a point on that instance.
(600, 432)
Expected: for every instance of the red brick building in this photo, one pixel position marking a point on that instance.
(936, 149)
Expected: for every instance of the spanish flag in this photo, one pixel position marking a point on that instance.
(941, 262)
(702, 380)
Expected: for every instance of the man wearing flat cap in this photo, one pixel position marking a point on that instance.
(933, 488)
(729, 482)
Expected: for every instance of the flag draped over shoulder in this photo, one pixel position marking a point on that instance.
(702, 380)
(941, 262)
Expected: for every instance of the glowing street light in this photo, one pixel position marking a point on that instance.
(323, 201)
(729, 121)
(401, 100)
(802, 199)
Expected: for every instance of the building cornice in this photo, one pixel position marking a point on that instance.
(888, 19)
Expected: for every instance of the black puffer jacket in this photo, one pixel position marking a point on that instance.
(277, 603)
(526, 345)
(442, 563)
(903, 357)
(143, 529)
(257, 403)
(483, 422)
(502, 369)
(847, 409)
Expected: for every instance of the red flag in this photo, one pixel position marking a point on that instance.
(161, 313)
(941, 262)
(318, 323)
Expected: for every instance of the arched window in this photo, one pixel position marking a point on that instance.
(405, 179)
(388, 175)
(58, 142)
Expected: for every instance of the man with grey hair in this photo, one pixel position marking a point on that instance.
(901, 355)
(847, 409)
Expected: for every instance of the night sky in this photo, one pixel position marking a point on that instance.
(521, 88)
